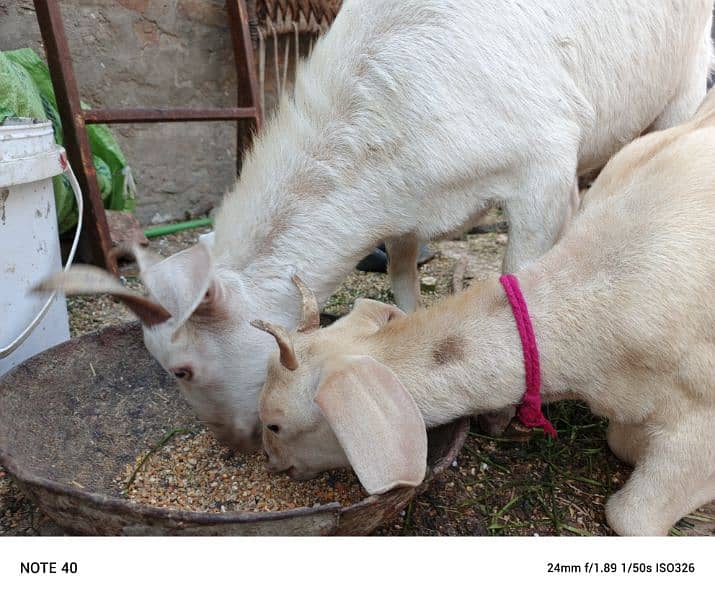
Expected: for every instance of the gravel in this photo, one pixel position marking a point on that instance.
(194, 472)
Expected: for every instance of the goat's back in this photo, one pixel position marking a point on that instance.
(508, 73)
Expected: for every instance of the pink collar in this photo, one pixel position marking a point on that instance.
(529, 411)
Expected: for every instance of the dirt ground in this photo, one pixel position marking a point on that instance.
(496, 487)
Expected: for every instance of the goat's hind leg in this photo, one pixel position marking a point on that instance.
(402, 255)
(540, 216)
(673, 476)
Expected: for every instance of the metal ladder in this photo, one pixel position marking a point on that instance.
(95, 244)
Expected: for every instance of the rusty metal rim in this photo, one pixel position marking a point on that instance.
(455, 446)
(125, 507)
(122, 506)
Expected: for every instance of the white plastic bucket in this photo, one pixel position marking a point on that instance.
(29, 242)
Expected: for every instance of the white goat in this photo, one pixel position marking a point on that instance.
(623, 316)
(407, 121)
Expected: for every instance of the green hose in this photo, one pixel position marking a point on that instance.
(159, 230)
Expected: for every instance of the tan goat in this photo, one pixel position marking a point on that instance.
(622, 309)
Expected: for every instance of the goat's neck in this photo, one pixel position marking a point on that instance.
(320, 258)
(302, 206)
(319, 255)
(471, 354)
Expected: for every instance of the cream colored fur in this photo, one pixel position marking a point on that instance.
(622, 308)
(409, 119)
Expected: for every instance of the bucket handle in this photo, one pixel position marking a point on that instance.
(10, 348)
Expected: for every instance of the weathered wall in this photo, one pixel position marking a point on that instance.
(153, 53)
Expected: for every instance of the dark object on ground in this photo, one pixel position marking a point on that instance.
(326, 319)
(82, 410)
(376, 261)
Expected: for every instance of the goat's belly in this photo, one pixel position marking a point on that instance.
(451, 213)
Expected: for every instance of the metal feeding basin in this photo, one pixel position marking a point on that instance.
(74, 416)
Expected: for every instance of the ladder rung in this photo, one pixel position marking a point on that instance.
(152, 115)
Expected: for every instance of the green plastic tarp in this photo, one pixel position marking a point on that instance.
(26, 91)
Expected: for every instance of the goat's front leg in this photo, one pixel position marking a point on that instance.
(537, 223)
(402, 255)
(674, 475)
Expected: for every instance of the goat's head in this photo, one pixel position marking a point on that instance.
(326, 404)
(196, 323)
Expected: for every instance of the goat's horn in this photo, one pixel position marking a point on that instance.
(310, 314)
(288, 358)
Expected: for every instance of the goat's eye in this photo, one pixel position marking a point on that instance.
(273, 428)
(185, 373)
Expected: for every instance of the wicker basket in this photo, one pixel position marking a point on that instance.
(284, 16)
(285, 28)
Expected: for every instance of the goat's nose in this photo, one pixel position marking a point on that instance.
(184, 373)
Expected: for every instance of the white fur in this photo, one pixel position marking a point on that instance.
(623, 316)
(409, 119)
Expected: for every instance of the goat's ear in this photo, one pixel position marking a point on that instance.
(85, 279)
(374, 312)
(376, 422)
(181, 282)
